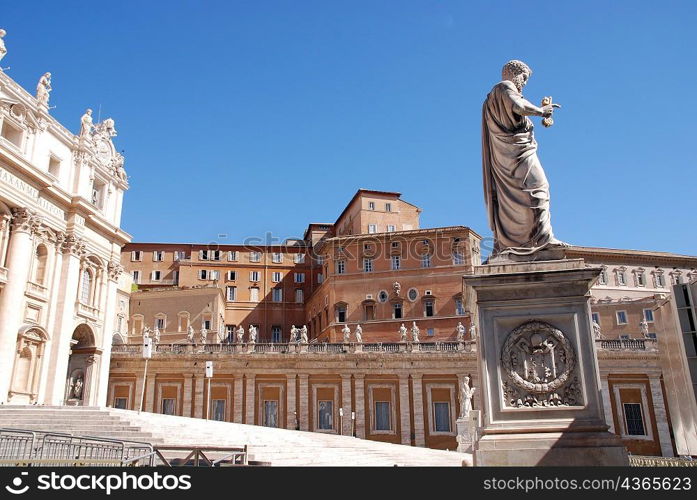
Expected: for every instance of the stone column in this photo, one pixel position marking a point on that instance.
(404, 412)
(24, 223)
(249, 399)
(659, 410)
(187, 409)
(199, 388)
(359, 381)
(292, 416)
(150, 395)
(607, 404)
(304, 400)
(237, 398)
(419, 436)
(62, 329)
(346, 403)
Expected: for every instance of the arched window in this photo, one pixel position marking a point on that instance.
(40, 264)
(86, 287)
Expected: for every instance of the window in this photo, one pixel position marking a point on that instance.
(441, 416)
(12, 133)
(396, 262)
(621, 278)
(367, 265)
(270, 414)
(158, 256)
(231, 276)
(341, 314)
(136, 256)
(391, 228)
(175, 276)
(275, 334)
(299, 258)
(299, 296)
(218, 410)
(136, 277)
(413, 294)
(388, 207)
(428, 308)
(276, 258)
(319, 259)
(372, 228)
(660, 280)
(382, 296)
(121, 403)
(168, 406)
(254, 294)
(299, 277)
(161, 323)
(54, 166)
(254, 276)
(231, 293)
(183, 321)
(640, 280)
(426, 260)
(602, 279)
(621, 317)
(276, 277)
(369, 312)
(648, 315)
(371, 205)
(203, 274)
(215, 255)
(320, 278)
(383, 420)
(179, 255)
(633, 419)
(254, 256)
(677, 278)
(596, 317)
(459, 307)
(86, 290)
(340, 266)
(155, 276)
(277, 294)
(230, 333)
(41, 256)
(394, 244)
(325, 415)
(397, 311)
(203, 255)
(206, 324)
(232, 255)
(458, 259)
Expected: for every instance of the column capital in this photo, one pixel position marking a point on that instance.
(115, 269)
(303, 376)
(359, 376)
(345, 376)
(290, 376)
(417, 376)
(74, 245)
(25, 220)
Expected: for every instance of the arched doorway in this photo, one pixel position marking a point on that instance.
(83, 354)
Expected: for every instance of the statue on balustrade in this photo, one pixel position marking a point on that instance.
(596, 331)
(402, 333)
(473, 331)
(43, 88)
(190, 334)
(414, 332)
(466, 393)
(359, 334)
(293, 334)
(252, 334)
(644, 328)
(146, 333)
(204, 335)
(303, 335)
(347, 334)
(156, 336)
(460, 329)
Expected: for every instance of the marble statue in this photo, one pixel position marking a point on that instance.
(516, 191)
(596, 331)
(359, 334)
(252, 334)
(293, 334)
(644, 327)
(414, 332)
(466, 393)
(156, 336)
(473, 331)
(86, 124)
(402, 333)
(397, 288)
(77, 388)
(3, 50)
(347, 334)
(303, 334)
(190, 334)
(43, 88)
(240, 335)
(146, 333)
(203, 335)
(460, 329)
(109, 127)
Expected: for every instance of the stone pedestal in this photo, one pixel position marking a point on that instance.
(358, 348)
(538, 368)
(468, 427)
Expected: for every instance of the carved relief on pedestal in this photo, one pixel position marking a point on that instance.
(539, 368)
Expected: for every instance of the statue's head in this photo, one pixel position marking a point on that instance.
(2, 32)
(517, 72)
(88, 112)
(47, 75)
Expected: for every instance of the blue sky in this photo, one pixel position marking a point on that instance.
(248, 117)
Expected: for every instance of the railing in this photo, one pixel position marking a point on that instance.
(643, 461)
(36, 289)
(627, 344)
(27, 448)
(84, 309)
(200, 456)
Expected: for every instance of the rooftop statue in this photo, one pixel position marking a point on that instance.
(43, 88)
(86, 124)
(3, 50)
(516, 190)
(359, 334)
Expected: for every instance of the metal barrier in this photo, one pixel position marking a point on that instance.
(200, 456)
(17, 444)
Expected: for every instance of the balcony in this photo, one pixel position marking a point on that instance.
(628, 344)
(37, 291)
(87, 311)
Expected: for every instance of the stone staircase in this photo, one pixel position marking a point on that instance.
(280, 447)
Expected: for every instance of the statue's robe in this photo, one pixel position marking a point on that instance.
(516, 190)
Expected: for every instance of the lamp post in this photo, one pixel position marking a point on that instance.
(209, 376)
(147, 354)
